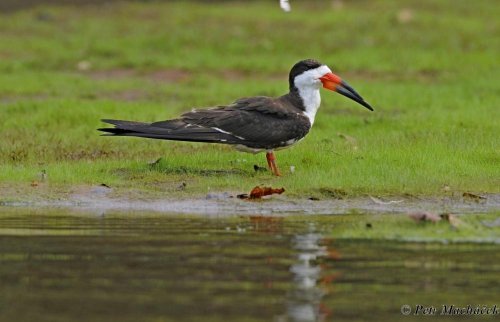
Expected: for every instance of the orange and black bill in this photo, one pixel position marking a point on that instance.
(334, 83)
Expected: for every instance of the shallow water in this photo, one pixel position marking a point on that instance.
(71, 266)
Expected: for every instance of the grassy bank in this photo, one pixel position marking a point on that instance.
(429, 69)
(470, 228)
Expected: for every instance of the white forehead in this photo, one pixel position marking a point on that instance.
(312, 75)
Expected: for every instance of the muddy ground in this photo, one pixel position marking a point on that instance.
(101, 198)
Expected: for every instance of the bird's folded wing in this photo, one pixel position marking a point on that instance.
(253, 120)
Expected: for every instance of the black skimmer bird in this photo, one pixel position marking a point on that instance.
(253, 124)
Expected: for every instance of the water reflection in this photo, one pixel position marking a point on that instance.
(155, 267)
(305, 300)
(311, 279)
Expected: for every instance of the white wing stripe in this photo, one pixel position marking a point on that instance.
(225, 132)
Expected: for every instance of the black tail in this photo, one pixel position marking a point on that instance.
(124, 128)
(176, 130)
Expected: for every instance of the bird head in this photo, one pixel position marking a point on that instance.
(310, 73)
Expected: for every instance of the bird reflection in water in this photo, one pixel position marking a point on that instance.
(311, 283)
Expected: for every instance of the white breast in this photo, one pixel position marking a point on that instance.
(312, 101)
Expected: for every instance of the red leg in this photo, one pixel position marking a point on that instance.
(271, 161)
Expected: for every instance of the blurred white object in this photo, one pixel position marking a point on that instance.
(285, 5)
(83, 65)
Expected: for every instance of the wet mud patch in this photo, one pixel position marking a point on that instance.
(161, 166)
(332, 193)
(198, 172)
(227, 204)
(111, 74)
(160, 76)
(133, 174)
(168, 75)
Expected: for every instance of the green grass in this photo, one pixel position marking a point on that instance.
(433, 81)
